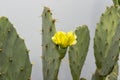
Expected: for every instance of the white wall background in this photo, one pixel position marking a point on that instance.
(26, 17)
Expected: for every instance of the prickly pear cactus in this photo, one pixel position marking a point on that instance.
(51, 53)
(14, 59)
(78, 52)
(106, 42)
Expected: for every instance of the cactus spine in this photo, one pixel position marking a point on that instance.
(78, 52)
(14, 58)
(106, 42)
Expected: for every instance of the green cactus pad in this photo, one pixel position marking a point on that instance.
(14, 58)
(78, 52)
(51, 53)
(106, 41)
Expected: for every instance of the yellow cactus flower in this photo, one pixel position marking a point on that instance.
(71, 38)
(64, 39)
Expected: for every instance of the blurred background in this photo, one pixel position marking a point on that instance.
(25, 15)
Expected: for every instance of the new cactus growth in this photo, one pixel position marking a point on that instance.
(78, 52)
(106, 42)
(14, 59)
(52, 53)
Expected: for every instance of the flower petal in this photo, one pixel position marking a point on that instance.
(64, 39)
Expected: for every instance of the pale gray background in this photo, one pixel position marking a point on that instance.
(26, 17)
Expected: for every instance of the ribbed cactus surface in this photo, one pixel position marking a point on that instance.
(14, 58)
(51, 53)
(78, 52)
